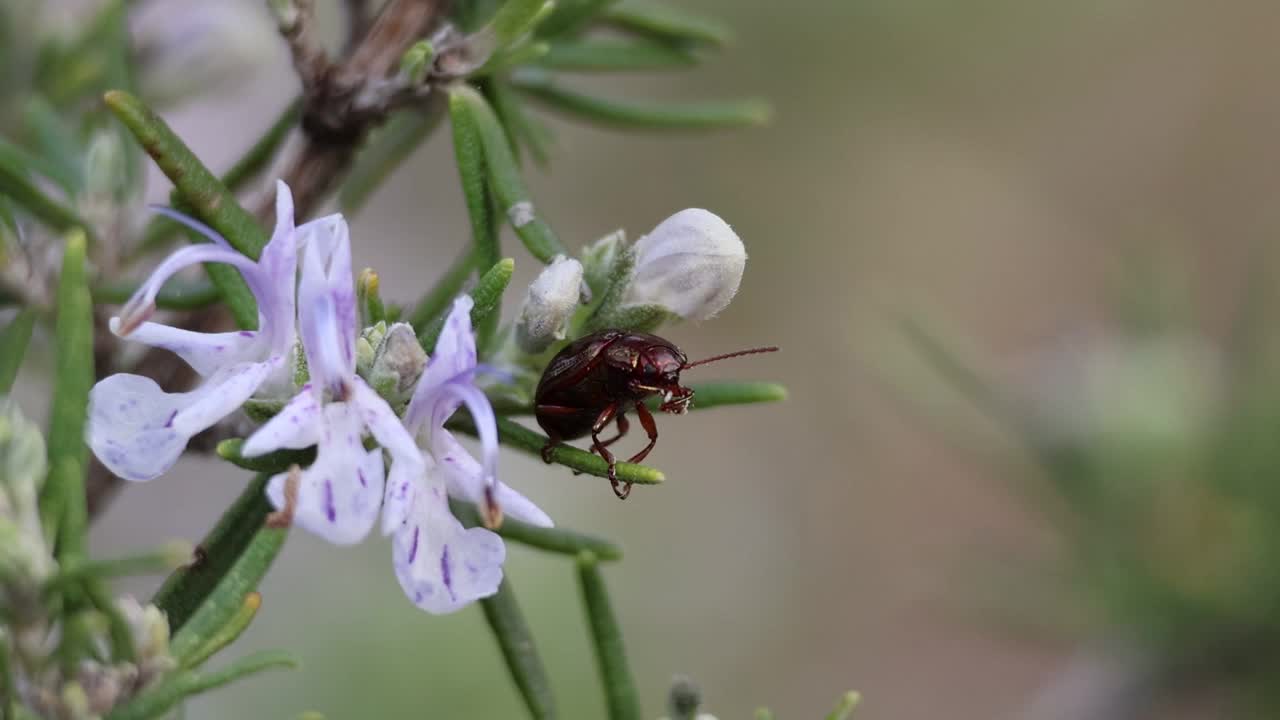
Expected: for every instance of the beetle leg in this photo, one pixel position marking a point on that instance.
(650, 429)
(623, 427)
(602, 421)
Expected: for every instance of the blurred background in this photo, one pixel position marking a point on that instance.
(960, 208)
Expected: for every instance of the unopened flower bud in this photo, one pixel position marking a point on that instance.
(397, 363)
(184, 48)
(599, 257)
(690, 265)
(551, 301)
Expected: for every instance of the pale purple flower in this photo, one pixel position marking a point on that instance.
(136, 429)
(339, 495)
(441, 565)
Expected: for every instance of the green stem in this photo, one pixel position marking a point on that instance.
(118, 630)
(159, 700)
(551, 539)
(515, 435)
(611, 657)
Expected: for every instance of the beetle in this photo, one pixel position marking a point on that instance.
(597, 378)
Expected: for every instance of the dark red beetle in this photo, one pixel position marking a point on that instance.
(594, 381)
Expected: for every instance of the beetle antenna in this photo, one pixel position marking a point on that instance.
(726, 356)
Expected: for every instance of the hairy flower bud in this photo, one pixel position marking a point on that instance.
(690, 265)
(552, 299)
(397, 363)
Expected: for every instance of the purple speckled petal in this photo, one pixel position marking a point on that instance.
(279, 267)
(442, 566)
(298, 425)
(454, 358)
(465, 479)
(138, 431)
(384, 424)
(204, 352)
(339, 495)
(143, 299)
(327, 320)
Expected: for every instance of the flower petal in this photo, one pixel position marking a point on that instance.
(327, 318)
(142, 304)
(138, 431)
(441, 565)
(279, 268)
(204, 352)
(338, 497)
(454, 357)
(465, 480)
(383, 423)
(299, 424)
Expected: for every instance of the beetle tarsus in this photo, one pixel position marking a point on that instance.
(546, 451)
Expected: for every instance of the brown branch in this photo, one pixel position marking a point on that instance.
(334, 125)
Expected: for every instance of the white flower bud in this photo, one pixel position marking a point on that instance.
(397, 363)
(184, 48)
(551, 301)
(690, 265)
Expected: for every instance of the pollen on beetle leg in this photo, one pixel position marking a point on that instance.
(283, 517)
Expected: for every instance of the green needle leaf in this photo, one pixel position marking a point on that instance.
(207, 196)
(386, 151)
(504, 175)
(187, 588)
(570, 16)
(502, 612)
(63, 496)
(729, 392)
(236, 625)
(487, 296)
(516, 435)
(611, 656)
(656, 116)
(177, 294)
(13, 156)
(436, 303)
(666, 22)
(118, 630)
(203, 194)
(272, 463)
(221, 608)
(19, 188)
(159, 700)
(13, 347)
(520, 127)
(846, 707)
(555, 539)
(255, 160)
(605, 55)
(468, 150)
(517, 18)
